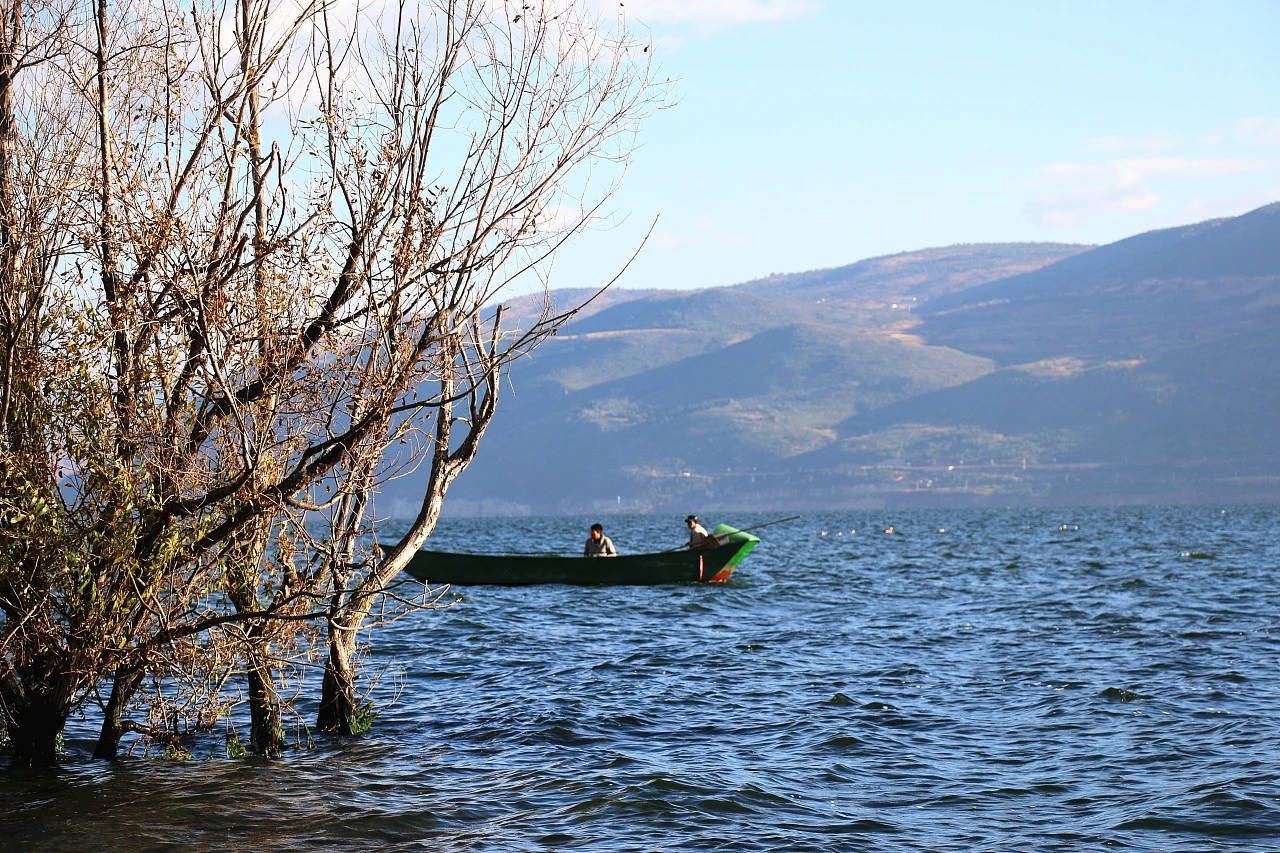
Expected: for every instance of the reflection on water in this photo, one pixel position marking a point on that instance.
(1005, 685)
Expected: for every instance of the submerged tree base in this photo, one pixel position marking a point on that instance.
(350, 720)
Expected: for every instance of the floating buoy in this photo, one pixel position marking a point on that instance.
(824, 533)
(942, 530)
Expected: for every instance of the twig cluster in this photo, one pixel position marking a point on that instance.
(250, 252)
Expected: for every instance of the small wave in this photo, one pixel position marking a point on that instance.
(878, 706)
(1119, 694)
(556, 839)
(1232, 676)
(1201, 827)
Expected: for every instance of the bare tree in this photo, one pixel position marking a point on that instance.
(511, 106)
(267, 245)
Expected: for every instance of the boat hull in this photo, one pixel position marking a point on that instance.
(701, 565)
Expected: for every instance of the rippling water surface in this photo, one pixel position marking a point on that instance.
(1002, 685)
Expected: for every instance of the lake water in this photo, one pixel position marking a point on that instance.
(1002, 685)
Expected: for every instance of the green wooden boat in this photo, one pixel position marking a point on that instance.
(698, 565)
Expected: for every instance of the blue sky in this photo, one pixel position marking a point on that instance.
(813, 134)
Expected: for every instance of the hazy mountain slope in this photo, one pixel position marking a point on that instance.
(571, 362)
(623, 334)
(800, 364)
(523, 310)
(641, 389)
(1156, 388)
(1212, 400)
(1132, 299)
(634, 336)
(1194, 424)
(924, 274)
(719, 311)
(1143, 370)
(754, 402)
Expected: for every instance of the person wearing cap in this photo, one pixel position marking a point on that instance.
(598, 545)
(698, 536)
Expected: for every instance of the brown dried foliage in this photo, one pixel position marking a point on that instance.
(247, 256)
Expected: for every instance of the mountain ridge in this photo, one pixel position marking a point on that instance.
(881, 382)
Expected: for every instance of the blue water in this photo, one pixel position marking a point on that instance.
(1005, 685)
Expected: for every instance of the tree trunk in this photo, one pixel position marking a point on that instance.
(338, 694)
(33, 731)
(123, 686)
(35, 721)
(266, 733)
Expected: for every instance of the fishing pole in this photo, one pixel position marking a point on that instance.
(720, 536)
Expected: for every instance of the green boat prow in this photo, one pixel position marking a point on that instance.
(698, 565)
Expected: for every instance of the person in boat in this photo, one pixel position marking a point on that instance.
(598, 545)
(698, 535)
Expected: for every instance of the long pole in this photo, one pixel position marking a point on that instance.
(743, 530)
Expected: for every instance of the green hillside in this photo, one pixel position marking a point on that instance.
(1193, 424)
(1002, 373)
(757, 401)
(633, 396)
(625, 332)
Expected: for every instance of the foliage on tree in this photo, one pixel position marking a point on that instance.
(249, 253)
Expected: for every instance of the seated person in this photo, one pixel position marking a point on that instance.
(598, 545)
(698, 535)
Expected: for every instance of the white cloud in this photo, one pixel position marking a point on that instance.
(1121, 142)
(1230, 205)
(712, 14)
(671, 240)
(560, 217)
(1068, 191)
(1065, 192)
(1249, 131)
(1135, 169)
(1062, 210)
(1264, 131)
(705, 232)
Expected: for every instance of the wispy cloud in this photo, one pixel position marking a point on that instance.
(557, 218)
(1252, 131)
(1135, 169)
(1258, 131)
(1230, 204)
(1069, 191)
(705, 232)
(712, 14)
(1121, 142)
